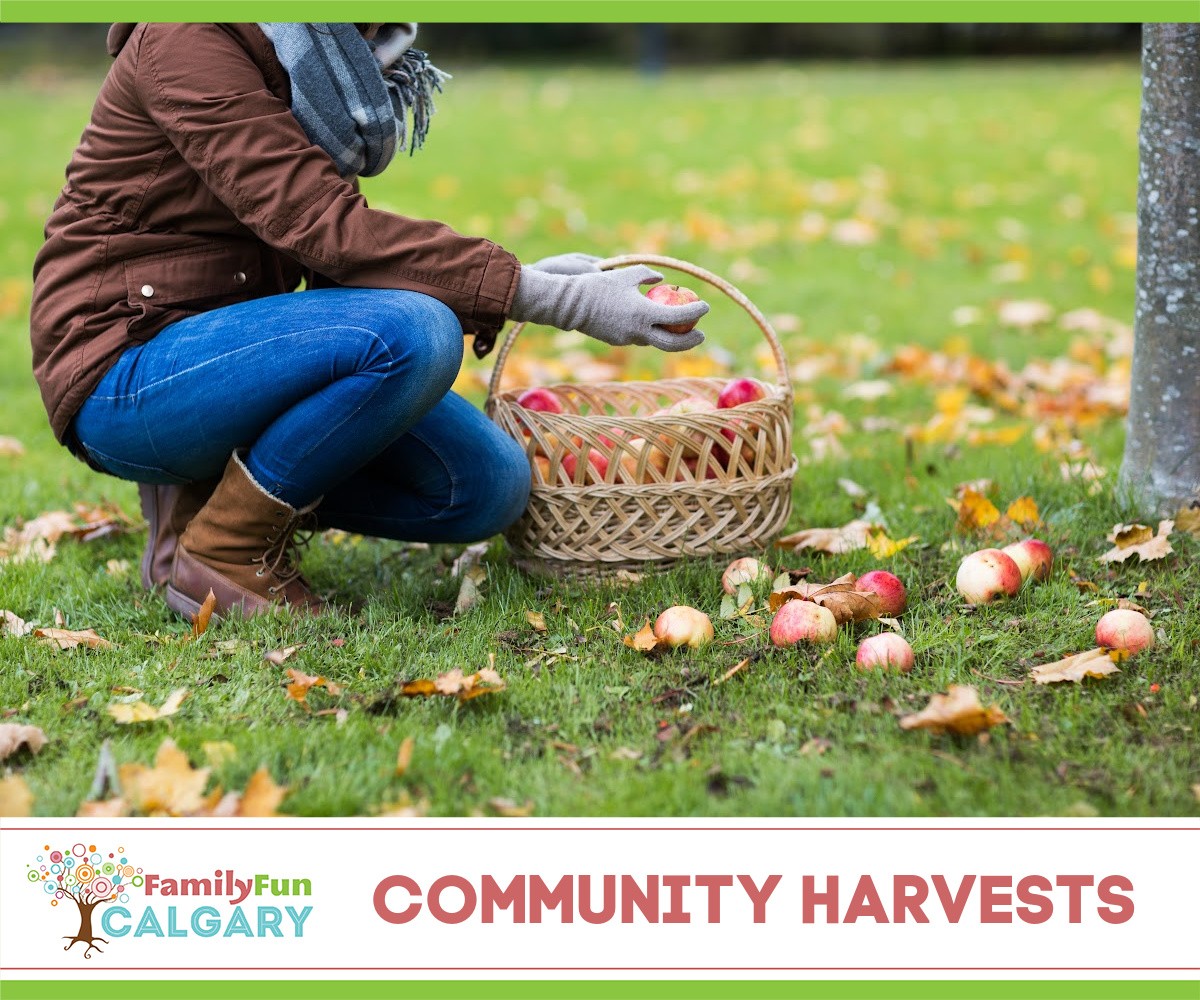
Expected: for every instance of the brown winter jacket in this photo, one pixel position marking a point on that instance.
(194, 187)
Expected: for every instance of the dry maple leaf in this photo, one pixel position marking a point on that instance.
(1093, 663)
(201, 618)
(1188, 519)
(139, 711)
(455, 684)
(301, 683)
(537, 620)
(13, 736)
(1024, 511)
(10, 624)
(835, 541)
(15, 797)
(451, 682)
(66, 639)
(846, 603)
(958, 711)
(37, 538)
(278, 657)
(103, 809)
(1139, 540)
(975, 511)
(644, 640)
(172, 787)
(261, 796)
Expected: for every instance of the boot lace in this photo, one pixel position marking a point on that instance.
(282, 559)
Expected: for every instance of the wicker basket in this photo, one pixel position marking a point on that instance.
(675, 486)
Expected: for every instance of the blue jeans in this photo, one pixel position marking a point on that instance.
(337, 392)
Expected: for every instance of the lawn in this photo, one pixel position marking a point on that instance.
(868, 210)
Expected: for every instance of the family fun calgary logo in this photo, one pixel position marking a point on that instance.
(92, 879)
(81, 875)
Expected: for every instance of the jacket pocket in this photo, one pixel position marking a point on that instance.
(186, 281)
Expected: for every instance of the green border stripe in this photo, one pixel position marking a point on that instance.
(578, 11)
(99, 989)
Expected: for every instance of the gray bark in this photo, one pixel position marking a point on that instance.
(1162, 449)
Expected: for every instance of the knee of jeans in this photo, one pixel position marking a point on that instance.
(501, 492)
(425, 331)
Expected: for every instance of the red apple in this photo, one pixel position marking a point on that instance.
(740, 390)
(747, 570)
(596, 470)
(892, 597)
(802, 621)
(1125, 630)
(683, 626)
(674, 295)
(540, 399)
(1032, 556)
(986, 575)
(886, 650)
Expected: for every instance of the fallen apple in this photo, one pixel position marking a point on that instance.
(886, 650)
(540, 399)
(892, 597)
(802, 621)
(674, 295)
(683, 626)
(986, 575)
(1032, 556)
(1126, 630)
(745, 570)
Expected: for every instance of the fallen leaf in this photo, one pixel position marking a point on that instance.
(1139, 540)
(834, 541)
(537, 620)
(261, 796)
(10, 447)
(117, 567)
(172, 787)
(454, 683)
(1024, 511)
(218, 751)
(302, 683)
(201, 618)
(15, 797)
(507, 807)
(739, 666)
(10, 624)
(846, 603)
(404, 756)
(66, 639)
(36, 539)
(278, 657)
(13, 736)
(975, 511)
(469, 558)
(1188, 519)
(851, 488)
(1093, 663)
(959, 711)
(882, 547)
(103, 809)
(405, 807)
(1024, 313)
(644, 640)
(139, 711)
(468, 589)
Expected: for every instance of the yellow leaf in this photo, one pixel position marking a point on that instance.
(1094, 663)
(15, 797)
(959, 711)
(537, 620)
(261, 796)
(1137, 539)
(1023, 510)
(644, 641)
(171, 788)
(404, 756)
(975, 511)
(1188, 519)
(882, 547)
(139, 711)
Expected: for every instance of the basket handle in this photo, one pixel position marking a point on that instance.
(654, 260)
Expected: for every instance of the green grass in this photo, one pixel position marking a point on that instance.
(974, 166)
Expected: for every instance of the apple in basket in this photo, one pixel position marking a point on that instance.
(735, 393)
(594, 472)
(687, 467)
(541, 399)
(674, 295)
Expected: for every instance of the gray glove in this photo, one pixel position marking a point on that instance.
(568, 263)
(606, 305)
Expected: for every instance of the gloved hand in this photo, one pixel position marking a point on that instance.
(606, 305)
(568, 263)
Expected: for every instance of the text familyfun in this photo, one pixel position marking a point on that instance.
(227, 884)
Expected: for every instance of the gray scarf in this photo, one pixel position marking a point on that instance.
(353, 97)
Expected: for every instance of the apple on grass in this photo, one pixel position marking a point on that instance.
(802, 621)
(987, 575)
(745, 570)
(1126, 630)
(892, 597)
(683, 626)
(674, 295)
(1032, 556)
(886, 650)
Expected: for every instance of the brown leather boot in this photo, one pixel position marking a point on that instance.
(241, 545)
(167, 510)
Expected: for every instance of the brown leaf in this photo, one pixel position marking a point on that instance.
(103, 809)
(455, 684)
(487, 681)
(846, 603)
(451, 682)
(200, 618)
(139, 711)
(507, 807)
(301, 683)
(644, 640)
(1093, 663)
(261, 796)
(959, 711)
(848, 538)
(1139, 540)
(13, 736)
(15, 797)
(10, 624)
(468, 590)
(418, 689)
(1188, 519)
(278, 657)
(404, 756)
(537, 620)
(172, 787)
(66, 639)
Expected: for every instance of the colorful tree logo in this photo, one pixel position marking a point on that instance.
(87, 878)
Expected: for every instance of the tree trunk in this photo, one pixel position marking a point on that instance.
(84, 935)
(1162, 450)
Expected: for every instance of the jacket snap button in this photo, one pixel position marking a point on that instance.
(240, 277)
(148, 291)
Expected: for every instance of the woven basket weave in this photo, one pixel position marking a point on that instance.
(689, 492)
